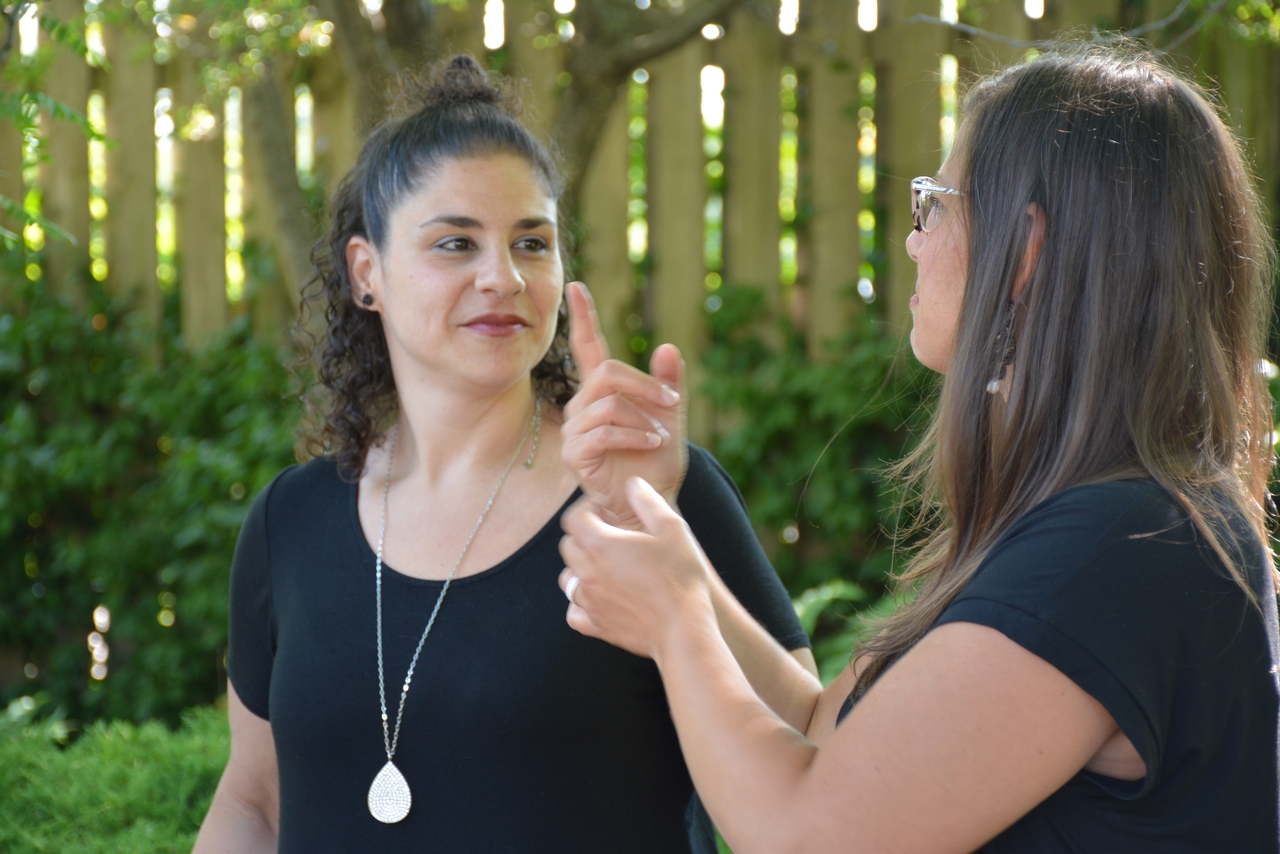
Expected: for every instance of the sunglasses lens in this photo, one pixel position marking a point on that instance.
(922, 207)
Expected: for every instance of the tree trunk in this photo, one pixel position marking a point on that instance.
(269, 128)
(752, 226)
(64, 178)
(909, 136)
(131, 169)
(11, 188)
(833, 153)
(604, 217)
(202, 226)
(677, 192)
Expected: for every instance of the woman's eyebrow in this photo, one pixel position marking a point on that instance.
(456, 220)
(461, 221)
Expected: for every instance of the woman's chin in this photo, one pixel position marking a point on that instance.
(924, 355)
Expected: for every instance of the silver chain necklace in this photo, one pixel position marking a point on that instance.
(389, 798)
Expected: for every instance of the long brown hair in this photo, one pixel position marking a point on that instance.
(453, 109)
(1145, 319)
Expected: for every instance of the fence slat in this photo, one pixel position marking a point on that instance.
(64, 178)
(833, 160)
(268, 145)
(11, 174)
(1251, 106)
(910, 141)
(538, 67)
(604, 224)
(130, 94)
(677, 193)
(336, 118)
(461, 29)
(1008, 18)
(201, 225)
(752, 226)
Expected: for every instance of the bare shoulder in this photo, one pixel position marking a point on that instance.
(968, 728)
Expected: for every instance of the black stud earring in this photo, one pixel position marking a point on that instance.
(367, 299)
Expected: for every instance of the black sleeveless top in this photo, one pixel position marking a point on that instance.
(519, 735)
(1112, 585)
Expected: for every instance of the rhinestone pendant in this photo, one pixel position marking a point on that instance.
(389, 798)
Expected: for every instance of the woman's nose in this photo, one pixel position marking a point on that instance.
(914, 241)
(499, 275)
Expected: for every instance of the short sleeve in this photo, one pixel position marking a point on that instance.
(251, 633)
(1097, 582)
(710, 502)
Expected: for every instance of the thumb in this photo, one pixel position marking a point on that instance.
(667, 365)
(586, 341)
(650, 508)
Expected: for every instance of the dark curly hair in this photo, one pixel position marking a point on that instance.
(453, 109)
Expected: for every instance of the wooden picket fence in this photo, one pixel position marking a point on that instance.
(841, 123)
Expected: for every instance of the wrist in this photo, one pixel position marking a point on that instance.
(625, 518)
(691, 621)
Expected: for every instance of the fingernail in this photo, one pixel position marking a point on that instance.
(669, 395)
(654, 439)
(658, 428)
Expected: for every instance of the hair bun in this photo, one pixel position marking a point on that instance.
(451, 82)
(460, 81)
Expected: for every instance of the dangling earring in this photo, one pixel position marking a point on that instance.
(1007, 346)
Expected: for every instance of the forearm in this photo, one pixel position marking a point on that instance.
(778, 679)
(747, 764)
(234, 827)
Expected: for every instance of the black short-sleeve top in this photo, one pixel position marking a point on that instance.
(519, 734)
(1113, 585)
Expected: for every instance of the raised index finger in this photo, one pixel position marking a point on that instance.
(586, 341)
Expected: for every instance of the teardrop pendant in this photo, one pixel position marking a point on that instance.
(389, 798)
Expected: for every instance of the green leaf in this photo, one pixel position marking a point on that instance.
(16, 211)
(69, 37)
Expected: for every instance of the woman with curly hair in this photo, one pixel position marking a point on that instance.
(1086, 660)
(401, 678)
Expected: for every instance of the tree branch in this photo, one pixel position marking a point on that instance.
(1096, 36)
(410, 33)
(976, 32)
(11, 18)
(1166, 21)
(1210, 13)
(647, 46)
(265, 106)
(364, 55)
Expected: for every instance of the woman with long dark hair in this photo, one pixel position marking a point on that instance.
(1086, 657)
(400, 675)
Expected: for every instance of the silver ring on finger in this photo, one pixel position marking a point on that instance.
(571, 587)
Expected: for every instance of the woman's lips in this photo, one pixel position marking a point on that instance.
(496, 324)
(915, 300)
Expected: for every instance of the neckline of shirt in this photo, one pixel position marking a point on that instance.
(388, 571)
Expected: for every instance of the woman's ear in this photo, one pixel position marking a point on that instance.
(1031, 255)
(365, 272)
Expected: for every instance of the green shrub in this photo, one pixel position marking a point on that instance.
(120, 789)
(808, 442)
(126, 467)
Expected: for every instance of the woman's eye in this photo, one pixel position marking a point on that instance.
(455, 244)
(532, 244)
